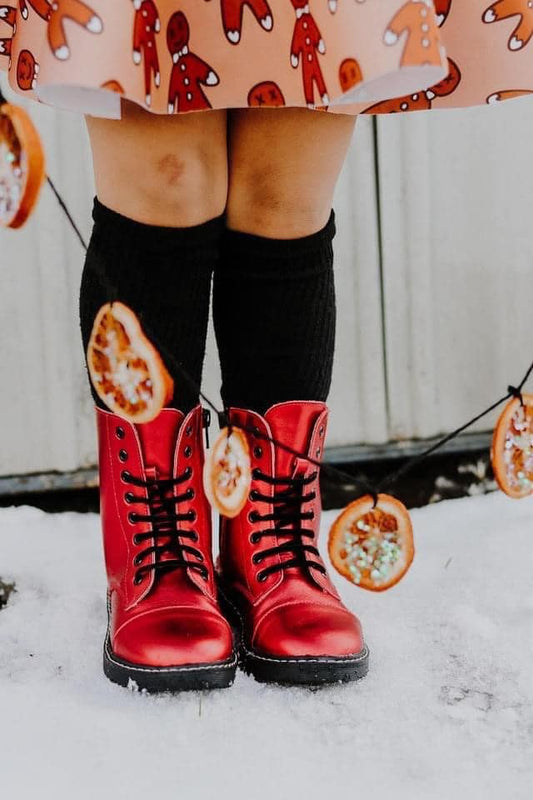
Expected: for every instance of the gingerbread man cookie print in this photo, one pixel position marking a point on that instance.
(41, 7)
(442, 9)
(27, 71)
(306, 44)
(232, 15)
(189, 72)
(146, 25)
(422, 45)
(75, 11)
(8, 14)
(420, 101)
(505, 9)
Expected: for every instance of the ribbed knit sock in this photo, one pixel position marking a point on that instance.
(274, 315)
(164, 275)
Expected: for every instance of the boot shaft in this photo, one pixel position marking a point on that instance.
(154, 470)
(246, 555)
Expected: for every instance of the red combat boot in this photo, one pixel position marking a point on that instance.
(165, 631)
(295, 629)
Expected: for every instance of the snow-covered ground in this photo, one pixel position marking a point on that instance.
(445, 712)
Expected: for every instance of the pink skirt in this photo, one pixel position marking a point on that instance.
(346, 56)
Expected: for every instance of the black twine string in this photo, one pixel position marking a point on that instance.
(366, 486)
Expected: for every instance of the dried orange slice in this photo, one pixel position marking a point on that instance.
(125, 368)
(511, 452)
(372, 547)
(228, 472)
(22, 169)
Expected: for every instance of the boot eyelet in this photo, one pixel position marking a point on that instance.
(252, 516)
(137, 540)
(261, 577)
(257, 558)
(188, 472)
(137, 561)
(318, 451)
(129, 497)
(253, 494)
(188, 430)
(120, 432)
(190, 494)
(256, 473)
(188, 451)
(321, 431)
(123, 455)
(191, 515)
(132, 518)
(194, 536)
(254, 538)
(257, 430)
(125, 476)
(138, 579)
(258, 451)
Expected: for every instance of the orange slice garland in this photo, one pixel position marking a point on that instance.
(372, 547)
(22, 166)
(511, 451)
(125, 368)
(228, 473)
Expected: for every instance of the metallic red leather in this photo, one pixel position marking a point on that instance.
(295, 629)
(166, 630)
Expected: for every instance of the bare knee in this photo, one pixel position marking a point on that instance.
(189, 186)
(161, 171)
(277, 205)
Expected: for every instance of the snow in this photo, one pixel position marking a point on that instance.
(445, 712)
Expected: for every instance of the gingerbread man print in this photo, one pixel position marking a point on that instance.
(442, 9)
(504, 9)
(232, 14)
(420, 101)
(422, 45)
(74, 10)
(27, 71)
(8, 14)
(189, 72)
(41, 7)
(147, 24)
(306, 44)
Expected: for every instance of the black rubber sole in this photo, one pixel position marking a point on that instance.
(297, 671)
(187, 678)
(182, 678)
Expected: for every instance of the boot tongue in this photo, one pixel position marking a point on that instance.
(292, 424)
(158, 441)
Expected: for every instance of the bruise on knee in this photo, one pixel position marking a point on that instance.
(171, 169)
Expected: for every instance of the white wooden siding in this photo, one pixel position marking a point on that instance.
(456, 194)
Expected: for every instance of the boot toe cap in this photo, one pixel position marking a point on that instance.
(309, 630)
(175, 637)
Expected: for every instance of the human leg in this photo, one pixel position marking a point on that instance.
(274, 313)
(154, 246)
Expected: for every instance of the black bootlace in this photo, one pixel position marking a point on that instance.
(161, 502)
(287, 512)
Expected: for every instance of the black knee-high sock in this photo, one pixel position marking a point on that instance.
(274, 315)
(164, 275)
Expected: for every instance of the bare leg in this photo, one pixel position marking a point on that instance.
(161, 170)
(284, 164)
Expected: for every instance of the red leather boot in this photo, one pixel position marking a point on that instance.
(165, 631)
(295, 629)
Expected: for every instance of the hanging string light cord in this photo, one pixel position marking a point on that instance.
(363, 484)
